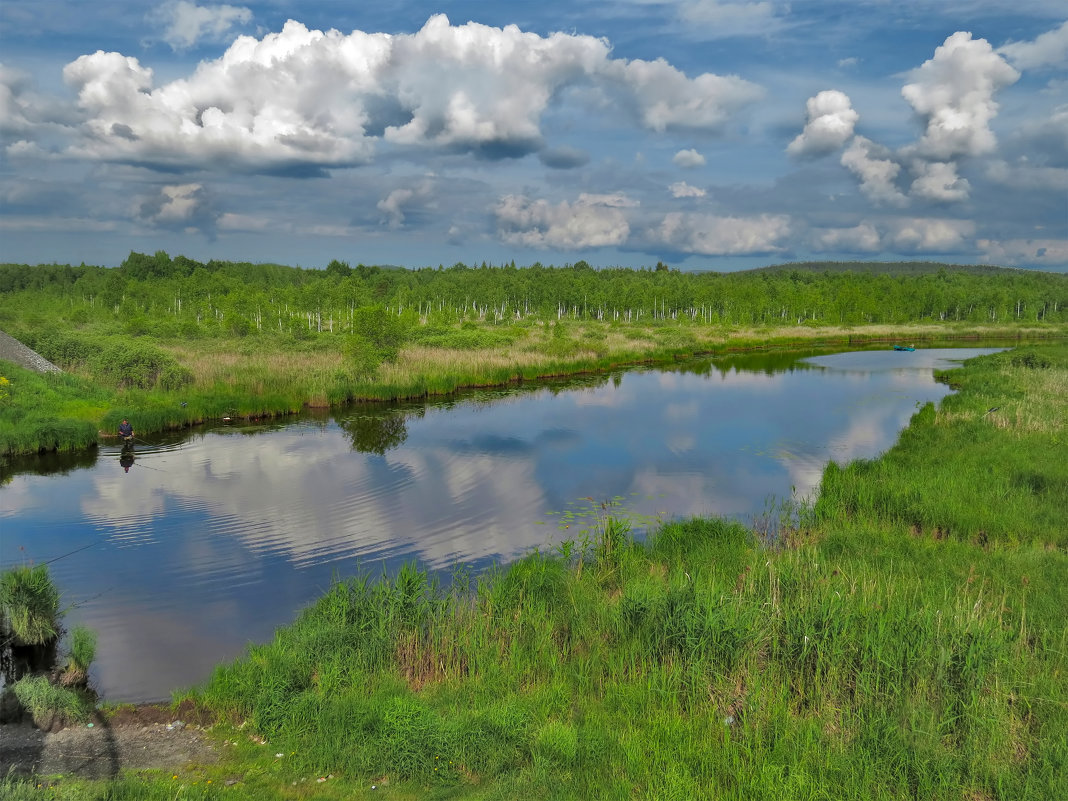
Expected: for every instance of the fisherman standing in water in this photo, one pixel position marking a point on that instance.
(126, 430)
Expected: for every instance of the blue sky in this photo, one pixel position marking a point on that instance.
(710, 134)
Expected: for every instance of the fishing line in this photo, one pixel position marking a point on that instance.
(77, 604)
(157, 469)
(69, 553)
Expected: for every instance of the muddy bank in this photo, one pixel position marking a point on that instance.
(131, 739)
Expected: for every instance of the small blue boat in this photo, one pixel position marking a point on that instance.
(904, 347)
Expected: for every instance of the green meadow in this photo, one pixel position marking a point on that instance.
(902, 637)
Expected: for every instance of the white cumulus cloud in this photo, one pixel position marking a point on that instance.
(688, 159)
(1048, 49)
(591, 221)
(185, 23)
(307, 99)
(683, 189)
(666, 98)
(829, 122)
(938, 181)
(929, 235)
(877, 170)
(954, 92)
(862, 238)
(177, 206)
(711, 235)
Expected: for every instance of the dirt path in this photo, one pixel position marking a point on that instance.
(138, 738)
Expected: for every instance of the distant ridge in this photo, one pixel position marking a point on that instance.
(896, 268)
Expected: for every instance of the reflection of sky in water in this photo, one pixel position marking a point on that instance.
(210, 542)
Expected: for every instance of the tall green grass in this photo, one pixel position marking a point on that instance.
(44, 699)
(990, 464)
(47, 411)
(29, 605)
(698, 664)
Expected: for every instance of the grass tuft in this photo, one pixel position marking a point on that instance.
(29, 602)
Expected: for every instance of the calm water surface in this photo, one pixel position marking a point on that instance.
(209, 541)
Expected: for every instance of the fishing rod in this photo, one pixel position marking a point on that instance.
(132, 438)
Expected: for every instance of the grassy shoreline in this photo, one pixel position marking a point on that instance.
(249, 378)
(858, 655)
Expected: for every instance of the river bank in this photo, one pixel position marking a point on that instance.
(844, 651)
(247, 378)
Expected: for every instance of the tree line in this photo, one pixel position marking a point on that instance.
(164, 296)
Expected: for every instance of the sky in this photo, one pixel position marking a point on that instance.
(707, 134)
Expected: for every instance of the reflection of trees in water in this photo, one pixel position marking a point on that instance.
(772, 362)
(378, 430)
(46, 464)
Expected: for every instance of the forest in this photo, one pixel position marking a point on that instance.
(183, 298)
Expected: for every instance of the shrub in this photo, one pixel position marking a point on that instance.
(174, 376)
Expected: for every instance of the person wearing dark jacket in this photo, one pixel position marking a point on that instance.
(126, 430)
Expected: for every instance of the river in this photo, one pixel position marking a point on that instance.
(207, 540)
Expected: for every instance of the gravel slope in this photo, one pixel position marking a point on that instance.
(14, 351)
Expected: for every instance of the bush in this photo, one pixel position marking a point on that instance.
(1031, 360)
(383, 331)
(174, 377)
(140, 365)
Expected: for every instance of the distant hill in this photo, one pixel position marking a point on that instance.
(886, 268)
